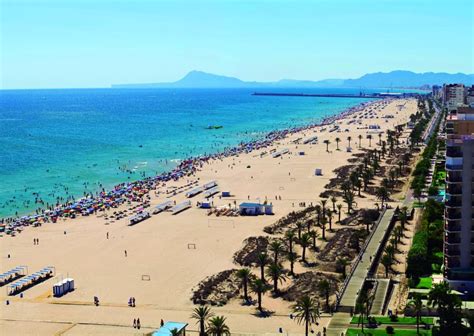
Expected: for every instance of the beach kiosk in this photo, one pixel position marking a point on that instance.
(165, 330)
(251, 209)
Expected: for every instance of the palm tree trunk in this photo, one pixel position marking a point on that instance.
(260, 301)
(245, 291)
(304, 254)
(275, 285)
(202, 329)
(306, 328)
(262, 272)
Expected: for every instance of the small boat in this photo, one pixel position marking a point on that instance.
(211, 127)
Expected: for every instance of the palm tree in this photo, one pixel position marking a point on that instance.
(259, 287)
(387, 262)
(342, 263)
(290, 235)
(299, 226)
(327, 142)
(323, 207)
(360, 139)
(417, 305)
(305, 241)
(277, 274)
(439, 294)
(349, 140)
(276, 247)
(218, 327)
(262, 261)
(337, 143)
(244, 274)
(314, 235)
(349, 200)
(174, 332)
(403, 216)
(339, 210)
(333, 201)
(202, 314)
(330, 215)
(360, 308)
(319, 213)
(323, 227)
(292, 257)
(370, 140)
(324, 288)
(306, 311)
(382, 194)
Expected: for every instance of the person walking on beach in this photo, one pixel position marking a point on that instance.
(134, 323)
(138, 323)
(107, 235)
(125, 251)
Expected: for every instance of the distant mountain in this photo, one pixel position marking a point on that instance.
(396, 79)
(402, 79)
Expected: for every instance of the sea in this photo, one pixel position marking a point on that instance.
(56, 144)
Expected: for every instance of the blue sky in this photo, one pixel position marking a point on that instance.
(83, 43)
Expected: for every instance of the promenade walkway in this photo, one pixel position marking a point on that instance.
(341, 319)
(366, 261)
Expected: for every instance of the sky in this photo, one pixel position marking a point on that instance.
(96, 43)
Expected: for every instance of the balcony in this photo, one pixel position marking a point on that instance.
(452, 214)
(453, 189)
(454, 177)
(453, 167)
(453, 202)
(452, 262)
(453, 226)
(452, 252)
(454, 152)
(454, 240)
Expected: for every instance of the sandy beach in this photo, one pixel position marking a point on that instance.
(168, 255)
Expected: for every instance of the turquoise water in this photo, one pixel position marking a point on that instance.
(59, 143)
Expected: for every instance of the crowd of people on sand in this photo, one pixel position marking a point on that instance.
(135, 191)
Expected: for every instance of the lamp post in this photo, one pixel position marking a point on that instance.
(465, 300)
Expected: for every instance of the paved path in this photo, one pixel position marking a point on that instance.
(349, 296)
(380, 295)
(341, 319)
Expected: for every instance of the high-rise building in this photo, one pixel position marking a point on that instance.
(470, 96)
(437, 91)
(459, 203)
(453, 96)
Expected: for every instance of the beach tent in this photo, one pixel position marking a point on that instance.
(165, 330)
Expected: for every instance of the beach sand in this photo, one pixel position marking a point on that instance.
(158, 247)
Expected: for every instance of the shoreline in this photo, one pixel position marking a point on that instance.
(183, 168)
(158, 248)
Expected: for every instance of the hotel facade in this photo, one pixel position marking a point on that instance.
(459, 201)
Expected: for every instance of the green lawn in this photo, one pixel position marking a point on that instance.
(382, 332)
(400, 320)
(425, 283)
